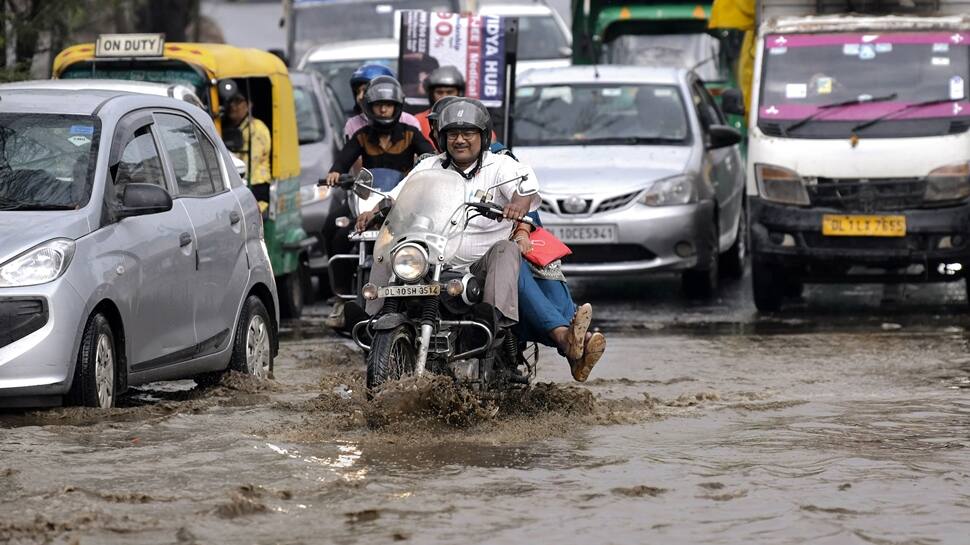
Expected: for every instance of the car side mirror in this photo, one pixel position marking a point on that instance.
(722, 136)
(240, 166)
(143, 199)
(732, 102)
(233, 138)
(565, 51)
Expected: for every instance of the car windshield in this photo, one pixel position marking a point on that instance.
(806, 75)
(309, 118)
(541, 38)
(47, 161)
(600, 114)
(153, 71)
(701, 52)
(337, 74)
(321, 22)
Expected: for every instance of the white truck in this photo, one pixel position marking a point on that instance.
(859, 144)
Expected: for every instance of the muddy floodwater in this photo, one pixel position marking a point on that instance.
(828, 429)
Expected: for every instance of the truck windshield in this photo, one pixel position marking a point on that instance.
(804, 75)
(600, 114)
(320, 22)
(698, 51)
(47, 161)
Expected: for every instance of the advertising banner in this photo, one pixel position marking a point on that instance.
(474, 44)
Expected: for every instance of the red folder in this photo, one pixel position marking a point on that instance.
(546, 248)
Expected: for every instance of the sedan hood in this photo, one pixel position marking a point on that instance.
(597, 169)
(20, 231)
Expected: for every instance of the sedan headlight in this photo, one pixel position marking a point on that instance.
(670, 191)
(39, 265)
(409, 262)
(781, 185)
(949, 183)
(310, 194)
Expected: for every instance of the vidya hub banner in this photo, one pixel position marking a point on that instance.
(474, 44)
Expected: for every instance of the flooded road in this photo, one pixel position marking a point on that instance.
(844, 420)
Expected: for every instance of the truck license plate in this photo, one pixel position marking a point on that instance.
(415, 290)
(571, 234)
(834, 225)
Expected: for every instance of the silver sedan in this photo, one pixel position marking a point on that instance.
(130, 249)
(638, 171)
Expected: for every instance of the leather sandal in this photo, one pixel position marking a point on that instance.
(576, 338)
(593, 351)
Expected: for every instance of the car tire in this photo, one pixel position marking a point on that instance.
(252, 345)
(768, 284)
(96, 373)
(701, 282)
(735, 258)
(290, 289)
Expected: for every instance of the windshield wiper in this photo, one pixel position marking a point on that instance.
(826, 107)
(906, 108)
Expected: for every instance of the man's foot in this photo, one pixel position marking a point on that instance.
(576, 335)
(593, 351)
(336, 318)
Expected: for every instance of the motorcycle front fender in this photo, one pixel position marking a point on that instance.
(389, 321)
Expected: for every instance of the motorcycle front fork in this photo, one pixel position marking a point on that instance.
(429, 317)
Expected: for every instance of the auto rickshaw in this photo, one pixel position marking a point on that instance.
(214, 71)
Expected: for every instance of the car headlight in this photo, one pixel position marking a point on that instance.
(409, 262)
(949, 183)
(310, 194)
(781, 185)
(670, 191)
(39, 265)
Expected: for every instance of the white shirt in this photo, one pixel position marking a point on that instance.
(482, 233)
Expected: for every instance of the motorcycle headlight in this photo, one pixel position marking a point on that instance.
(781, 185)
(39, 265)
(310, 194)
(670, 191)
(949, 183)
(409, 262)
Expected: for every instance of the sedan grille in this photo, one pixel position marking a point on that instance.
(616, 202)
(858, 195)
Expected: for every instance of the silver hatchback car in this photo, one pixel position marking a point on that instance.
(638, 171)
(130, 249)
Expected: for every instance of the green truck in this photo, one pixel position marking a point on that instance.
(658, 33)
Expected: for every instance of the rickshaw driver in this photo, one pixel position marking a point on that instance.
(464, 133)
(257, 144)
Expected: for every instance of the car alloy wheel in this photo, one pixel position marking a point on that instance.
(257, 347)
(105, 371)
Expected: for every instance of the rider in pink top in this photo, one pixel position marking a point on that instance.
(358, 84)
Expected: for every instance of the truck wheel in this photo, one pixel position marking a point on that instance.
(290, 288)
(733, 260)
(391, 357)
(768, 284)
(96, 375)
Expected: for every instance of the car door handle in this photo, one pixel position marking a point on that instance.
(234, 217)
(184, 240)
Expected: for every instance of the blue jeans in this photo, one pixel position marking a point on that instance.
(544, 305)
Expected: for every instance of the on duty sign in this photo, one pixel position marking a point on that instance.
(130, 45)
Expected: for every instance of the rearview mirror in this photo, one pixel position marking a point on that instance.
(732, 102)
(144, 199)
(363, 184)
(565, 51)
(722, 136)
(239, 165)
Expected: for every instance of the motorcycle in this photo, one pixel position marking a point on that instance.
(433, 319)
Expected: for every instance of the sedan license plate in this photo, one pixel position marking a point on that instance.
(416, 290)
(863, 226)
(572, 234)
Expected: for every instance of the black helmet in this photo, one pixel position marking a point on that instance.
(383, 89)
(445, 76)
(436, 111)
(465, 113)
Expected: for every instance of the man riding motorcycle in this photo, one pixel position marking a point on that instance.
(464, 132)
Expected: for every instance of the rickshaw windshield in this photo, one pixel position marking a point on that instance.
(423, 211)
(155, 71)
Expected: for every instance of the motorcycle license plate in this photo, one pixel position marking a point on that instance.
(863, 226)
(414, 290)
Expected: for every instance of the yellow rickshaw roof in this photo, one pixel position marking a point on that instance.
(219, 60)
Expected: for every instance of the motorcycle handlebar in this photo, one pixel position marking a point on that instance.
(495, 212)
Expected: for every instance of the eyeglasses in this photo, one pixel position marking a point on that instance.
(466, 134)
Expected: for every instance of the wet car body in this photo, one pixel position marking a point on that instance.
(594, 193)
(320, 124)
(171, 283)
